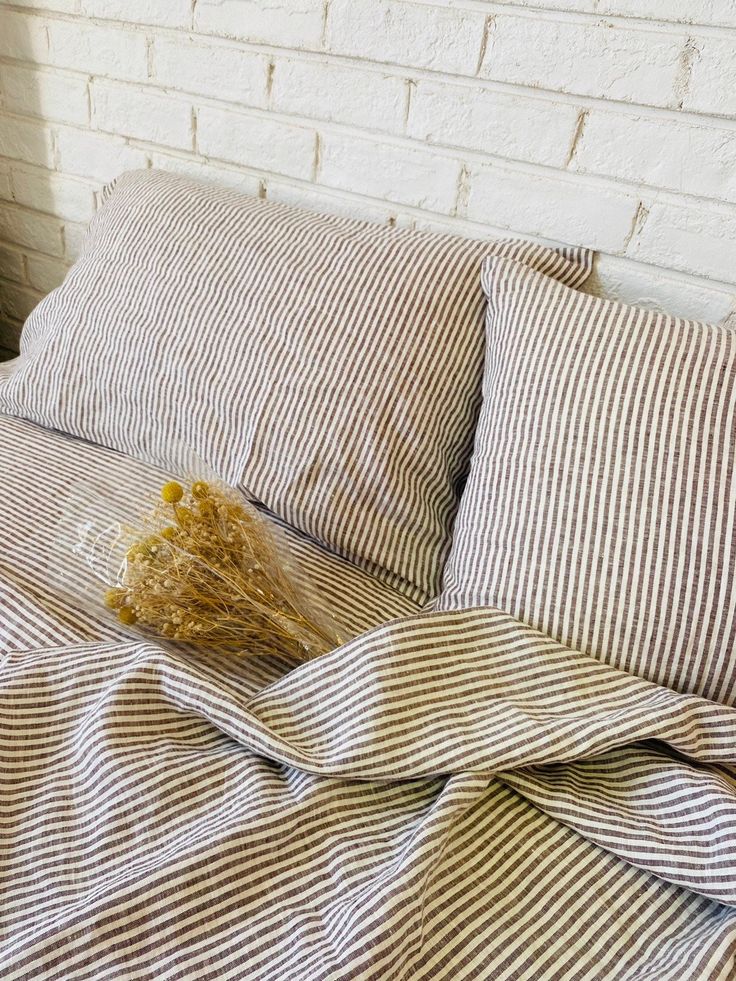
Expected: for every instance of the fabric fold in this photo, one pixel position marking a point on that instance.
(624, 762)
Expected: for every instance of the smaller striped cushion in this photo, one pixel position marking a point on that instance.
(600, 506)
(330, 367)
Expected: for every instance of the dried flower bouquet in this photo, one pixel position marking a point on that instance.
(204, 569)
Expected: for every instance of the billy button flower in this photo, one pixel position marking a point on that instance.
(126, 615)
(137, 551)
(172, 492)
(183, 515)
(115, 598)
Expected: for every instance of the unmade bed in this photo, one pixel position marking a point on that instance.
(476, 784)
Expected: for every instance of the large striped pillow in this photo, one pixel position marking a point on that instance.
(600, 505)
(331, 367)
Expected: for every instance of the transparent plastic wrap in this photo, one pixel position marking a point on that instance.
(200, 567)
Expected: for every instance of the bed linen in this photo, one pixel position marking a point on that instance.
(600, 506)
(198, 318)
(448, 795)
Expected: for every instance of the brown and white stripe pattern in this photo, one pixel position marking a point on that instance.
(601, 504)
(447, 797)
(330, 367)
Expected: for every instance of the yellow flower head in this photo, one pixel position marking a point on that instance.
(184, 516)
(137, 551)
(169, 533)
(114, 598)
(200, 489)
(172, 492)
(127, 615)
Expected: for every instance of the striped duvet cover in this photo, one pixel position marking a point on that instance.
(447, 796)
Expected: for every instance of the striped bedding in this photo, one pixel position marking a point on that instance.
(449, 795)
(198, 318)
(601, 506)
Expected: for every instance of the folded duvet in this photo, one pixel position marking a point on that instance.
(446, 796)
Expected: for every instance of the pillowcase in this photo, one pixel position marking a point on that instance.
(329, 367)
(600, 506)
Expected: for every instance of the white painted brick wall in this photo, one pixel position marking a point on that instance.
(590, 58)
(407, 33)
(609, 123)
(268, 144)
(142, 112)
(211, 70)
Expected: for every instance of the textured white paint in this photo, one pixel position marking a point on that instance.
(503, 123)
(592, 58)
(712, 87)
(609, 123)
(88, 154)
(393, 173)
(547, 206)
(131, 110)
(339, 93)
(62, 97)
(256, 141)
(27, 140)
(98, 50)
(34, 230)
(286, 23)
(70, 198)
(406, 33)
(166, 13)
(671, 154)
(45, 274)
(210, 69)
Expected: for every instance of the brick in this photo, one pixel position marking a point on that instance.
(679, 156)
(16, 302)
(9, 339)
(584, 58)
(653, 287)
(58, 6)
(163, 13)
(6, 193)
(22, 139)
(23, 38)
(256, 141)
(9, 334)
(209, 173)
(12, 266)
(46, 274)
(96, 155)
(32, 230)
(719, 12)
(142, 113)
(74, 237)
(56, 194)
(712, 84)
(216, 70)
(287, 23)
(10, 331)
(405, 33)
(562, 209)
(691, 238)
(339, 93)
(415, 177)
(535, 130)
(98, 50)
(344, 205)
(51, 95)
